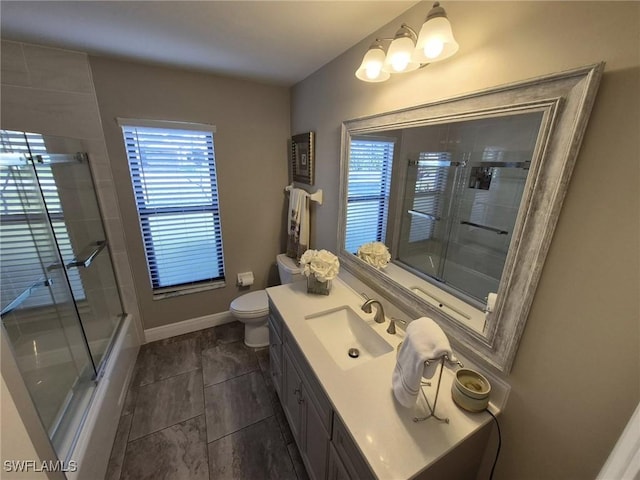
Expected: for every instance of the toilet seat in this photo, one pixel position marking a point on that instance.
(250, 305)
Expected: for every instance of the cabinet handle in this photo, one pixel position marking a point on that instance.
(296, 392)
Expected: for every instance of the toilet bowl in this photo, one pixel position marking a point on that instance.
(252, 308)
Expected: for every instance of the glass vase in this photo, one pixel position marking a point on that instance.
(317, 287)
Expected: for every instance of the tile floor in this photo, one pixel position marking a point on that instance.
(202, 406)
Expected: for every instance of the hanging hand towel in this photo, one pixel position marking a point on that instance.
(297, 223)
(424, 340)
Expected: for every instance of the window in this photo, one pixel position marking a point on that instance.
(369, 185)
(173, 171)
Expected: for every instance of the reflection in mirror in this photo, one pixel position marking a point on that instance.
(465, 193)
(461, 185)
(463, 189)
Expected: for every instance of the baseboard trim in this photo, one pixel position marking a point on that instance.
(187, 326)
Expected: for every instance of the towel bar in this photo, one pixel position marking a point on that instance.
(314, 197)
(432, 410)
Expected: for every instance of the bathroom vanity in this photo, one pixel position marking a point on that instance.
(341, 410)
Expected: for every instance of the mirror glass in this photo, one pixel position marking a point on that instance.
(465, 194)
(458, 187)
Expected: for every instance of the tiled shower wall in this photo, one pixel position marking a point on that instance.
(50, 91)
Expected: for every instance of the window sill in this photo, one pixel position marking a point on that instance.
(188, 290)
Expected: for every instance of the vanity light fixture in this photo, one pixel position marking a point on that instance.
(408, 50)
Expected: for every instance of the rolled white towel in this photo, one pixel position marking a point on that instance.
(424, 340)
(491, 302)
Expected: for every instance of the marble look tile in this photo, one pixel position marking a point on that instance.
(235, 404)
(166, 403)
(119, 446)
(160, 360)
(268, 382)
(227, 361)
(108, 198)
(221, 334)
(296, 459)
(177, 452)
(57, 69)
(281, 418)
(129, 405)
(14, 65)
(256, 452)
(263, 359)
(51, 112)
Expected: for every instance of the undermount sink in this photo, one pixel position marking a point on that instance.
(347, 337)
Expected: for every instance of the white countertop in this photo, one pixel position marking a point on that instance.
(393, 444)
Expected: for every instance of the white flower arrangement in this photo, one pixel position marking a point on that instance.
(375, 254)
(323, 264)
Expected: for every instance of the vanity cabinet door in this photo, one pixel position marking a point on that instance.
(292, 397)
(352, 460)
(275, 357)
(316, 440)
(335, 468)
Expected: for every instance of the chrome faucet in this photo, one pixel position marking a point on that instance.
(366, 308)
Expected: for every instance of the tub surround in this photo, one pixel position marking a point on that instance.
(393, 445)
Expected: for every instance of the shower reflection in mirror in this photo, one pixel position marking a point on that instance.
(444, 198)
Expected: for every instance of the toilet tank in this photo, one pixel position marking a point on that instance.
(288, 269)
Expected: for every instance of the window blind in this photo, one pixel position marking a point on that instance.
(174, 180)
(369, 185)
(431, 182)
(27, 250)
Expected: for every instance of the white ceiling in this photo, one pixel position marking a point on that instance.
(279, 42)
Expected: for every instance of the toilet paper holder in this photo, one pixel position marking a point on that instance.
(245, 279)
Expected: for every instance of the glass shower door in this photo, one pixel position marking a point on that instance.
(483, 220)
(461, 204)
(38, 313)
(70, 199)
(65, 179)
(426, 222)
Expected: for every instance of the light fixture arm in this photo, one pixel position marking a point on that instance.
(436, 11)
(410, 33)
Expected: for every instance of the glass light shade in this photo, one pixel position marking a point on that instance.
(435, 41)
(399, 56)
(371, 68)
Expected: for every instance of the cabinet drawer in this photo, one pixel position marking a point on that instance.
(348, 452)
(316, 393)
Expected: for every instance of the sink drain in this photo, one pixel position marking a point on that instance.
(354, 352)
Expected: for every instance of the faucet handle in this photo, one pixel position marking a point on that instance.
(392, 325)
(365, 296)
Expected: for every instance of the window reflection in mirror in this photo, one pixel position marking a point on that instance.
(459, 187)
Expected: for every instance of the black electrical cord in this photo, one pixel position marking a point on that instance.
(499, 444)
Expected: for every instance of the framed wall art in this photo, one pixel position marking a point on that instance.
(302, 158)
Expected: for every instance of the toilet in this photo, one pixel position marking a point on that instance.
(252, 309)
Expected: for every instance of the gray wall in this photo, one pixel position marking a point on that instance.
(576, 378)
(252, 122)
